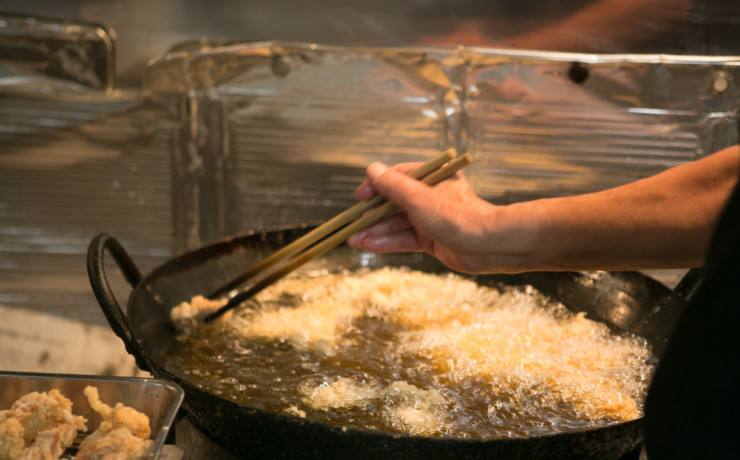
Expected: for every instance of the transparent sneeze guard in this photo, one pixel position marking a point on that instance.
(227, 137)
(79, 156)
(277, 133)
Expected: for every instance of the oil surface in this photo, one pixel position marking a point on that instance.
(408, 352)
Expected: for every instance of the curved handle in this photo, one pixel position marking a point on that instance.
(688, 284)
(104, 294)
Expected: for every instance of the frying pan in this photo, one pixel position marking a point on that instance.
(625, 301)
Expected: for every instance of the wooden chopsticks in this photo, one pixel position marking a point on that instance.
(429, 173)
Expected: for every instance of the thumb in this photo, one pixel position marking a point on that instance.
(399, 188)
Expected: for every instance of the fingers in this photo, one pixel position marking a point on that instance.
(375, 170)
(396, 186)
(405, 241)
(388, 226)
(425, 211)
(366, 190)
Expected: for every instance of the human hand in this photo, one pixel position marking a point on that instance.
(448, 221)
(663, 221)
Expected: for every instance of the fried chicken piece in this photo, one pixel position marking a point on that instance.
(44, 425)
(122, 435)
(118, 444)
(11, 437)
(50, 444)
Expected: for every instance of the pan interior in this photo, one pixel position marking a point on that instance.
(407, 352)
(624, 301)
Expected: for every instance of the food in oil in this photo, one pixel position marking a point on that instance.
(403, 351)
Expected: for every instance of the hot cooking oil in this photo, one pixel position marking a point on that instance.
(407, 352)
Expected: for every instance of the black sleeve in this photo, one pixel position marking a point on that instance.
(693, 404)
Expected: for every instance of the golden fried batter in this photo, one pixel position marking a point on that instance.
(38, 426)
(41, 426)
(123, 434)
(118, 444)
(11, 437)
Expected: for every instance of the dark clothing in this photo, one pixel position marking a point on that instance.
(693, 405)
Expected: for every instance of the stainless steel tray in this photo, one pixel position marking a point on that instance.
(158, 399)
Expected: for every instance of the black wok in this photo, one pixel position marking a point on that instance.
(626, 301)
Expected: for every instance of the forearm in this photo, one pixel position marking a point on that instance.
(608, 20)
(663, 221)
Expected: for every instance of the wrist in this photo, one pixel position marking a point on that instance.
(513, 241)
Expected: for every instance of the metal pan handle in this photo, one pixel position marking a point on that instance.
(104, 294)
(688, 284)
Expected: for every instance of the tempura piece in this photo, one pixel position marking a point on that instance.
(309, 313)
(341, 393)
(122, 435)
(188, 315)
(415, 411)
(38, 426)
(407, 407)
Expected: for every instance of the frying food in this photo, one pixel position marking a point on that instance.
(410, 352)
(41, 425)
(187, 315)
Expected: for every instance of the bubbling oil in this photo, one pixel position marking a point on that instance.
(402, 351)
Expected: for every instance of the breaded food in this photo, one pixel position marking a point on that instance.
(189, 315)
(12, 444)
(38, 426)
(122, 435)
(41, 426)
